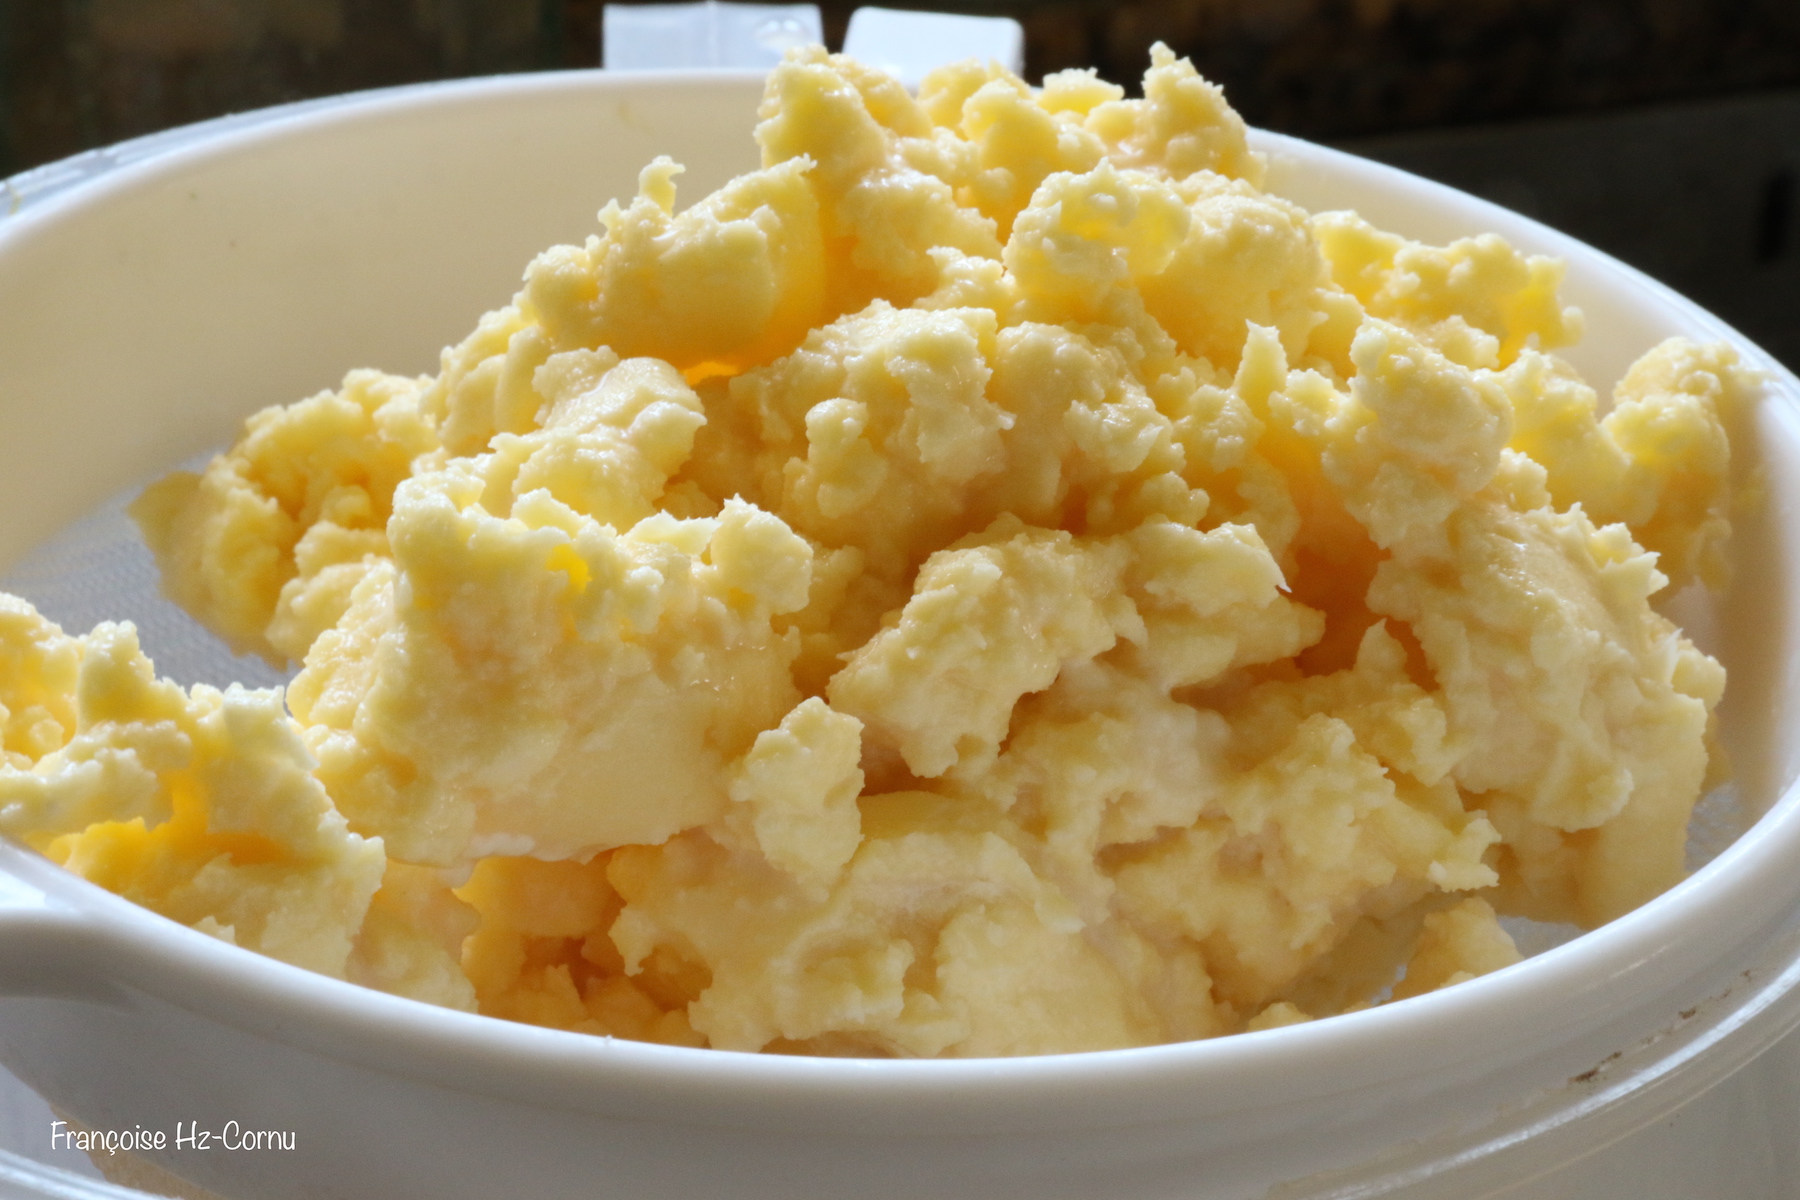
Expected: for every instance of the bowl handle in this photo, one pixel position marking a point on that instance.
(48, 946)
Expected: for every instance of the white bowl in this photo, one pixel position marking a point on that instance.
(143, 314)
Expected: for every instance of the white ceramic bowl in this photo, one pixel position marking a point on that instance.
(143, 314)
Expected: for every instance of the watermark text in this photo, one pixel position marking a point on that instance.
(188, 1135)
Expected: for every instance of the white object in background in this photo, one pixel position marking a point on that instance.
(909, 44)
(709, 34)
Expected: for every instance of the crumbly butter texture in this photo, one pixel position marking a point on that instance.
(992, 581)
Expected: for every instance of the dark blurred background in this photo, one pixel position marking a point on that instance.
(1664, 131)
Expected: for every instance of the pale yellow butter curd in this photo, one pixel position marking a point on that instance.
(992, 581)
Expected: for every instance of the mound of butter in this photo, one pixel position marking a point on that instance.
(992, 581)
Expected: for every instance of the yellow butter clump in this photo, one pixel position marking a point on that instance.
(993, 580)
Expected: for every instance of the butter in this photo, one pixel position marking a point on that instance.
(992, 581)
